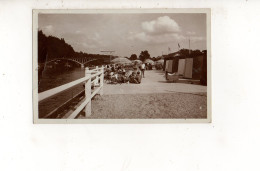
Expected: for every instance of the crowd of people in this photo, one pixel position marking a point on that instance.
(120, 73)
(158, 66)
(148, 66)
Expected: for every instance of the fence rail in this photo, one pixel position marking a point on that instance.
(97, 74)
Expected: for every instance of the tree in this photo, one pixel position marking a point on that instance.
(133, 57)
(144, 55)
(185, 52)
(189, 53)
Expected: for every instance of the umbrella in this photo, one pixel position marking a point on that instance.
(149, 61)
(177, 55)
(160, 61)
(121, 61)
(138, 61)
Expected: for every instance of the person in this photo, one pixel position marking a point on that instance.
(132, 78)
(138, 78)
(114, 77)
(112, 68)
(124, 77)
(142, 69)
(150, 67)
(135, 78)
(118, 67)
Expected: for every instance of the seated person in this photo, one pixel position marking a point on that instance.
(106, 74)
(113, 69)
(125, 77)
(138, 77)
(135, 78)
(132, 77)
(122, 78)
(114, 78)
(120, 71)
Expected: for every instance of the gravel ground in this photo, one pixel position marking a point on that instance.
(145, 106)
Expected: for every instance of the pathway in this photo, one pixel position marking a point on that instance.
(154, 82)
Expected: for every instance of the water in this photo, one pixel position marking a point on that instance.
(52, 79)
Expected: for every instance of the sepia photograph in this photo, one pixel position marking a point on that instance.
(148, 66)
(129, 85)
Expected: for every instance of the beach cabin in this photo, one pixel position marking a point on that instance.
(195, 68)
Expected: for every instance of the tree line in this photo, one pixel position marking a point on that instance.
(51, 47)
(143, 56)
(182, 53)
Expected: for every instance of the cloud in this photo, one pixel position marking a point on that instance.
(197, 38)
(157, 39)
(193, 37)
(158, 31)
(190, 33)
(48, 29)
(162, 30)
(83, 41)
(89, 46)
(95, 37)
(161, 25)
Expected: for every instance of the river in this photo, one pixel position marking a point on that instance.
(54, 79)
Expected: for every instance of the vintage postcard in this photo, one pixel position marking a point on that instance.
(122, 66)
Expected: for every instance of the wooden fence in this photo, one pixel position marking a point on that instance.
(98, 82)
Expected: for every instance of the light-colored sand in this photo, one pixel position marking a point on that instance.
(154, 82)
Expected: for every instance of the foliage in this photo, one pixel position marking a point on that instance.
(50, 47)
(144, 55)
(133, 57)
(190, 53)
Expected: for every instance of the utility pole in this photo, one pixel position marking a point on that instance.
(189, 45)
(110, 52)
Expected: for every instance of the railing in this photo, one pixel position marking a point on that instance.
(97, 74)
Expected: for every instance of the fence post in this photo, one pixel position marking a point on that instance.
(88, 92)
(96, 79)
(101, 81)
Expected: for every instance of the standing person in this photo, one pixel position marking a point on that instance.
(142, 69)
(150, 66)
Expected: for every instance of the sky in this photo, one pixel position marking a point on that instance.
(126, 34)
